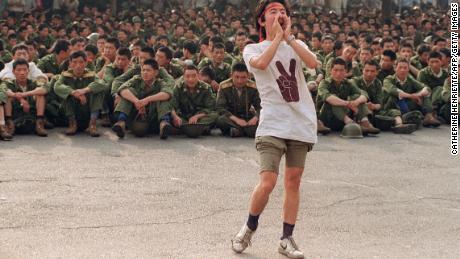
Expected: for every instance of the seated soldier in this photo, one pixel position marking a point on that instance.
(364, 56)
(402, 94)
(371, 86)
(238, 103)
(342, 101)
(110, 52)
(221, 69)
(145, 95)
(387, 63)
(50, 64)
(25, 99)
(164, 56)
(193, 101)
(146, 53)
(110, 72)
(21, 51)
(434, 77)
(82, 94)
(349, 52)
(420, 61)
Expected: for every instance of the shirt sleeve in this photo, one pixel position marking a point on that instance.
(249, 52)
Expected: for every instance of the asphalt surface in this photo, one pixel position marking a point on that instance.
(391, 196)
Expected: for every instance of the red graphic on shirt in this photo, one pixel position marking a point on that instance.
(288, 82)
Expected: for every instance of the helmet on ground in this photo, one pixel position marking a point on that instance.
(193, 130)
(383, 122)
(352, 130)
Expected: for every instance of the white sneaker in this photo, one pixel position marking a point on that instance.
(289, 248)
(242, 240)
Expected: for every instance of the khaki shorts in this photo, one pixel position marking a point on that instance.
(271, 149)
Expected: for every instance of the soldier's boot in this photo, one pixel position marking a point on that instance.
(165, 129)
(322, 128)
(92, 129)
(10, 126)
(404, 128)
(40, 128)
(234, 133)
(105, 120)
(72, 129)
(119, 128)
(48, 125)
(430, 120)
(368, 128)
(4, 134)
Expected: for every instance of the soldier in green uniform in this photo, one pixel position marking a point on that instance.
(434, 77)
(365, 55)
(420, 61)
(110, 52)
(387, 63)
(50, 64)
(342, 101)
(109, 73)
(193, 101)
(164, 56)
(238, 103)
(145, 95)
(5, 55)
(370, 86)
(402, 94)
(327, 44)
(347, 55)
(336, 52)
(82, 94)
(221, 69)
(25, 98)
(146, 53)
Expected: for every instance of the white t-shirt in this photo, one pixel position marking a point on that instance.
(288, 110)
(34, 72)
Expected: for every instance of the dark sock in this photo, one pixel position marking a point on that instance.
(122, 116)
(287, 230)
(253, 222)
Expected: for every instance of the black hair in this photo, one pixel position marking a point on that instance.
(239, 67)
(61, 45)
(92, 48)
(152, 63)
(167, 51)
(124, 52)
(19, 62)
(78, 54)
(389, 53)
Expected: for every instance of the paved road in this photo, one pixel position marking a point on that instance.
(392, 196)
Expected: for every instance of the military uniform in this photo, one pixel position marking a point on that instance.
(67, 83)
(332, 116)
(417, 63)
(372, 91)
(5, 56)
(222, 72)
(328, 57)
(328, 67)
(384, 73)
(187, 104)
(18, 114)
(435, 82)
(48, 64)
(393, 106)
(155, 110)
(136, 70)
(174, 70)
(244, 104)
